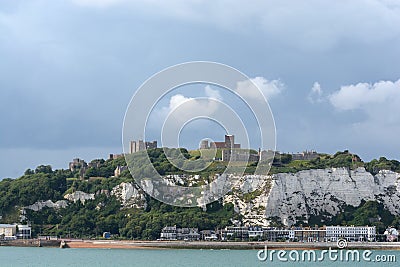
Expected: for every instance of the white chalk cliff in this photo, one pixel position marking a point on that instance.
(39, 205)
(288, 196)
(250, 196)
(294, 196)
(325, 191)
(79, 196)
(130, 195)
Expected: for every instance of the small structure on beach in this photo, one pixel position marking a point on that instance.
(107, 235)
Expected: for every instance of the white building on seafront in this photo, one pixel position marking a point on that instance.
(24, 232)
(8, 231)
(14, 231)
(351, 233)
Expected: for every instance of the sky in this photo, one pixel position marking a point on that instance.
(68, 69)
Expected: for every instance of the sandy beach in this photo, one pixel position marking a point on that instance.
(120, 244)
(129, 244)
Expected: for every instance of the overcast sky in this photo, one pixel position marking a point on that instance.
(68, 70)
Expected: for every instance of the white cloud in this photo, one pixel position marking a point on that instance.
(178, 110)
(212, 93)
(367, 96)
(367, 119)
(315, 95)
(195, 104)
(176, 101)
(268, 88)
(380, 104)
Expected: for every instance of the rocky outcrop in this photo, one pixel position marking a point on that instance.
(325, 191)
(39, 205)
(130, 195)
(250, 196)
(79, 195)
(321, 192)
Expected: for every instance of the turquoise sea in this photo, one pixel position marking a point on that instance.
(15, 256)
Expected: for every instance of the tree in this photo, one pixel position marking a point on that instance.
(29, 172)
(43, 169)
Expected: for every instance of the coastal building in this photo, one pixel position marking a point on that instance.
(301, 234)
(174, 233)
(8, 231)
(209, 235)
(255, 232)
(308, 234)
(277, 234)
(168, 233)
(351, 233)
(187, 234)
(24, 231)
(14, 231)
(140, 145)
(391, 234)
(235, 232)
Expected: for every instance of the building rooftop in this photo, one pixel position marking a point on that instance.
(7, 225)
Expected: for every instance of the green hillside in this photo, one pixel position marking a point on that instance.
(104, 213)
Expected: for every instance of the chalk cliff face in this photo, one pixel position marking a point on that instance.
(295, 196)
(250, 196)
(288, 196)
(130, 195)
(39, 205)
(79, 196)
(316, 192)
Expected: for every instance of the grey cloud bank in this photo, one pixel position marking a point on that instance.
(69, 68)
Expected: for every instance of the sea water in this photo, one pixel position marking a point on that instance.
(16, 256)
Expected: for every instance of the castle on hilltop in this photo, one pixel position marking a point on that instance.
(229, 143)
(230, 150)
(140, 145)
(305, 155)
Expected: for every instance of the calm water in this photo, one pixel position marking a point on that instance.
(13, 256)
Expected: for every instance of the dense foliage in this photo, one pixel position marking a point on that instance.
(284, 163)
(375, 166)
(104, 213)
